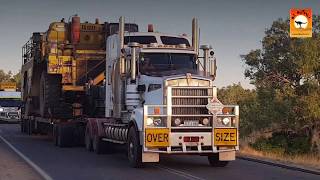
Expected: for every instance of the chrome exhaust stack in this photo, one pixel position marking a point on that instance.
(121, 40)
(195, 35)
(133, 46)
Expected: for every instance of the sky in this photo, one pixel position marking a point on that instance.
(232, 27)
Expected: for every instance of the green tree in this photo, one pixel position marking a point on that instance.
(17, 79)
(246, 99)
(286, 73)
(4, 77)
(10, 77)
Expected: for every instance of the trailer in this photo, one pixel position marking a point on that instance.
(57, 67)
(157, 96)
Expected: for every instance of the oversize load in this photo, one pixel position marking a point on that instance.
(157, 137)
(8, 85)
(225, 136)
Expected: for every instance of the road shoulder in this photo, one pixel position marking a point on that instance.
(279, 164)
(12, 167)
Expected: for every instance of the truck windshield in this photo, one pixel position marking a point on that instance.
(159, 64)
(174, 40)
(10, 102)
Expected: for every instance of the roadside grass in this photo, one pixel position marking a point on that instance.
(305, 160)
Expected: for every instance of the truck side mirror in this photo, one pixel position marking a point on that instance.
(141, 88)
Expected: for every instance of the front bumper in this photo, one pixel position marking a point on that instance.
(178, 146)
(9, 119)
(204, 144)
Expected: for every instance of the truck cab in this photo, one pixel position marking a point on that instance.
(163, 89)
(10, 105)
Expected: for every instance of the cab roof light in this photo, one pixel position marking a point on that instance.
(150, 28)
(156, 110)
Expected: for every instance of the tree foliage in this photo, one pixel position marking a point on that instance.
(246, 99)
(10, 77)
(286, 100)
(286, 73)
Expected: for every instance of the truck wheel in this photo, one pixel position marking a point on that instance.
(215, 162)
(50, 90)
(134, 149)
(88, 140)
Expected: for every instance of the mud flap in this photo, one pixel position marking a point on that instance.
(150, 157)
(227, 156)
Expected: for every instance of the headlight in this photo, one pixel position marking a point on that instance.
(1, 109)
(225, 121)
(149, 121)
(205, 121)
(154, 122)
(157, 122)
(177, 122)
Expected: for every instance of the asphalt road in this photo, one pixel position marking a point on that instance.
(12, 167)
(77, 163)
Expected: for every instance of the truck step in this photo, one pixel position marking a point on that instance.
(113, 141)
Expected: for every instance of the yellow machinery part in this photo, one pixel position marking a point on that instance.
(57, 32)
(62, 65)
(99, 78)
(72, 88)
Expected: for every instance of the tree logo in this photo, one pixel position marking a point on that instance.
(301, 22)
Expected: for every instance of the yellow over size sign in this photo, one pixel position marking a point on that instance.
(8, 85)
(157, 137)
(225, 136)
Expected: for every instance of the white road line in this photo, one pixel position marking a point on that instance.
(179, 173)
(32, 164)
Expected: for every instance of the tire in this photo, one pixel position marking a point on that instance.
(55, 135)
(30, 127)
(50, 91)
(22, 126)
(134, 149)
(215, 162)
(65, 135)
(26, 126)
(88, 140)
(79, 134)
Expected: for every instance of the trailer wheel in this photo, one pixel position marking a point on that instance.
(215, 162)
(88, 140)
(65, 135)
(30, 126)
(25, 126)
(22, 126)
(55, 134)
(134, 149)
(50, 90)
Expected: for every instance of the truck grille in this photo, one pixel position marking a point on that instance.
(197, 98)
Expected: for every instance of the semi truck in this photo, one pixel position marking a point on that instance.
(10, 102)
(156, 96)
